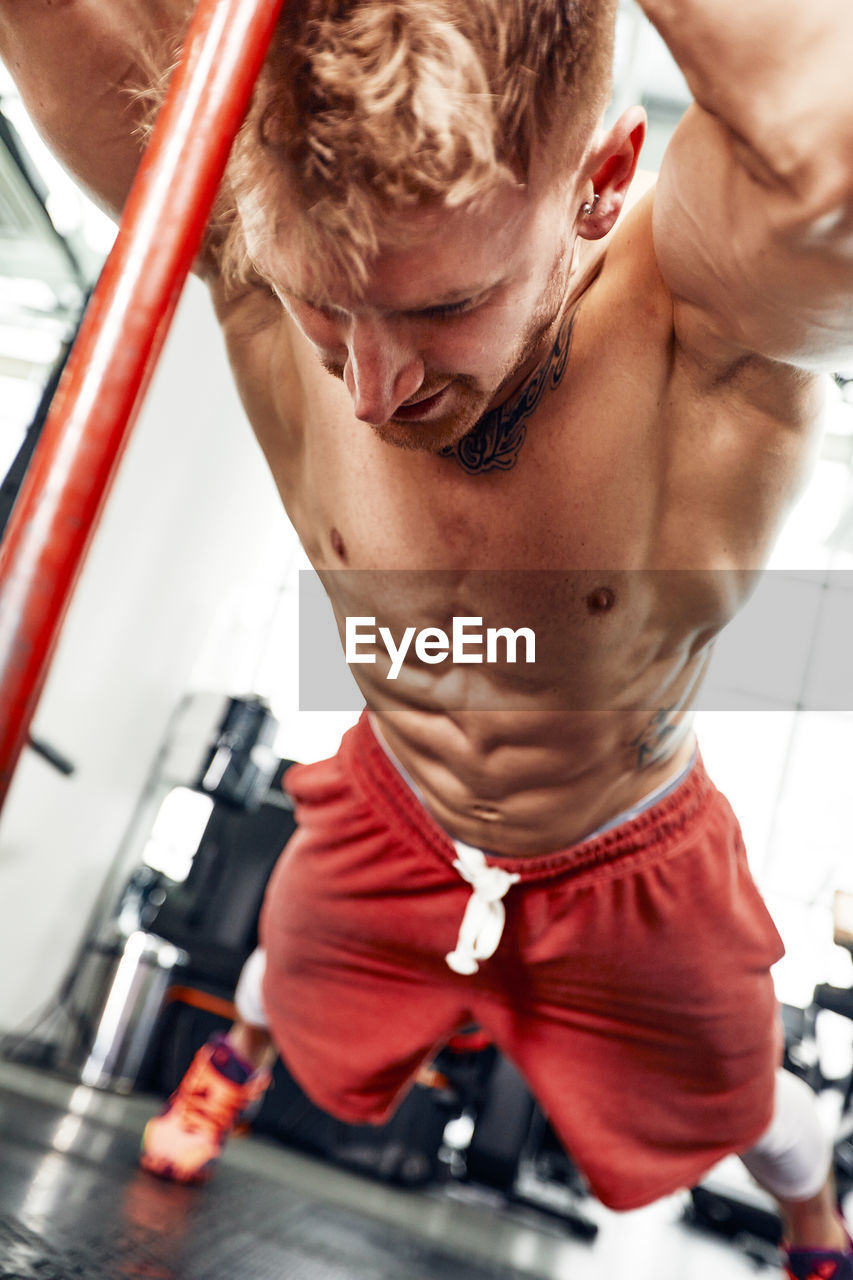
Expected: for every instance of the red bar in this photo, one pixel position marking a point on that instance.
(123, 332)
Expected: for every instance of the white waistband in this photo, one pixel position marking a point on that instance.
(659, 793)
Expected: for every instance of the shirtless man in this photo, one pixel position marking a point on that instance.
(540, 369)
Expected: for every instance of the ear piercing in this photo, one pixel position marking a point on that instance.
(589, 206)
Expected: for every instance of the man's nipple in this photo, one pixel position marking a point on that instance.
(601, 600)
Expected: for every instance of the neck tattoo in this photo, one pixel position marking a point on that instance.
(495, 442)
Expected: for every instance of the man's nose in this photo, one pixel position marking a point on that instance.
(382, 371)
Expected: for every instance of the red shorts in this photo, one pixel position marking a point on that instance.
(631, 985)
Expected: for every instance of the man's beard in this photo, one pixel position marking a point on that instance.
(471, 401)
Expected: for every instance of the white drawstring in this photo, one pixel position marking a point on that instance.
(485, 914)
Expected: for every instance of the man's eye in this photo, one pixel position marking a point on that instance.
(449, 309)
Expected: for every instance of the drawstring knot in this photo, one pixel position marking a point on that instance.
(483, 922)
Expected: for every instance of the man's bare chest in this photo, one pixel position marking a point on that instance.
(579, 491)
(619, 538)
(623, 468)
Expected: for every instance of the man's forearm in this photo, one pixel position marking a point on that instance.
(777, 73)
(75, 62)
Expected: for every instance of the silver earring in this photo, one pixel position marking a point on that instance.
(589, 206)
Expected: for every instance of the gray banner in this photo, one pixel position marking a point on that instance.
(572, 640)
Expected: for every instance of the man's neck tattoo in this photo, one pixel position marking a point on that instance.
(495, 442)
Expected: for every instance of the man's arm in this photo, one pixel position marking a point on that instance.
(754, 210)
(76, 64)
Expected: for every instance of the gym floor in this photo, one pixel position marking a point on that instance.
(74, 1206)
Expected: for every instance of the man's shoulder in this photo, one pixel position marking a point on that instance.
(626, 256)
(668, 341)
(622, 281)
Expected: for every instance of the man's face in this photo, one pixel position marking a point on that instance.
(449, 323)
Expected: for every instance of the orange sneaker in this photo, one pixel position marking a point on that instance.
(185, 1142)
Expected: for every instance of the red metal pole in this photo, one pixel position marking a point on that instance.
(122, 334)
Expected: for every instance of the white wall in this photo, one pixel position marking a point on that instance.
(191, 509)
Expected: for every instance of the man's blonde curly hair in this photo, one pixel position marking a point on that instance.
(367, 107)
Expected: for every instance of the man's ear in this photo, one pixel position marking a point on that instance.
(610, 166)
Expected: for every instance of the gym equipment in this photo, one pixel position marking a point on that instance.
(161, 931)
(123, 981)
(241, 764)
(183, 899)
(122, 334)
(213, 913)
